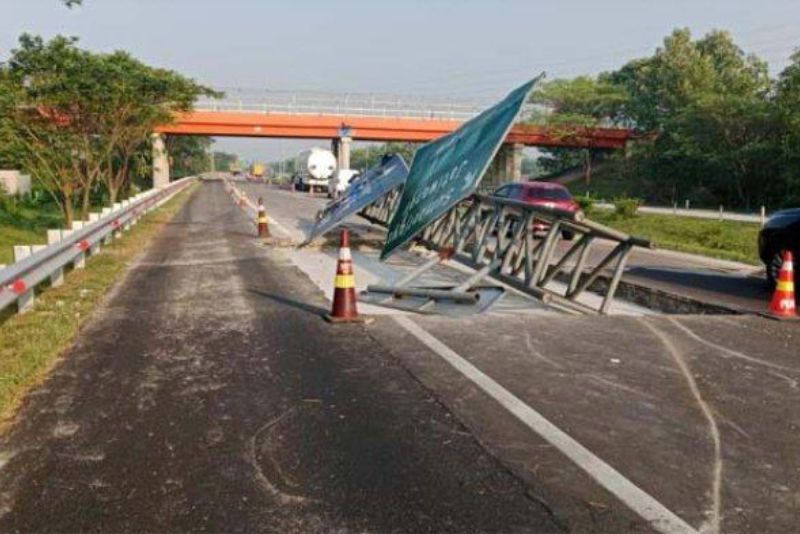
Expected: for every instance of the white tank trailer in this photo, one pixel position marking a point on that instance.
(315, 168)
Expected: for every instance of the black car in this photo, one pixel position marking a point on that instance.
(781, 232)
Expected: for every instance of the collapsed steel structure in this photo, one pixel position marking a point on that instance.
(496, 237)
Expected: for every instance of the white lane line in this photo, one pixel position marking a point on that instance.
(658, 515)
(281, 228)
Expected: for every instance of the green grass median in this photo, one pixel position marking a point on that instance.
(729, 240)
(31, 343)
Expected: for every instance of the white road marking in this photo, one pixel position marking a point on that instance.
(281, 228)
(659, 516)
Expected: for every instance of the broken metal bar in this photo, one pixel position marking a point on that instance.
(559, 266)
(612, 286)
(589, 280)
(431, 293)
(577, 270)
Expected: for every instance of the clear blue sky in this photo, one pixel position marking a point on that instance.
(466, 48)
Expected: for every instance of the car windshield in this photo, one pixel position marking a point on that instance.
(542, 193)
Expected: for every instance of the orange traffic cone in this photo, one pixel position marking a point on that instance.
(344, 308)
(783, 304)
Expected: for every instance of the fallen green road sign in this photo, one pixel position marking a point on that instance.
(447, 170)
(376, 182)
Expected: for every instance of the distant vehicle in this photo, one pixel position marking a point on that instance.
(236, 169)
(315, 169)
(257, 170)
(341, 180)
(545, 194)
(780, 232)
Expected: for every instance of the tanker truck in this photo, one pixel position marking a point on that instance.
(314, 170)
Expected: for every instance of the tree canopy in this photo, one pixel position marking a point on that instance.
(723, 130)
(77, 120)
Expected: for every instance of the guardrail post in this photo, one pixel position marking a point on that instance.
(95, 248)
(127, 224)
(80, 260)
(109, 237)
(119, 229)
(25, 300)
(57, 277)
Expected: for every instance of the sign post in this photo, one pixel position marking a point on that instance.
(447, 170)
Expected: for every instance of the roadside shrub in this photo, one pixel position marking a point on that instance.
(626, 207)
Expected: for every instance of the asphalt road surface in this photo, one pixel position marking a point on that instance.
(208, 395)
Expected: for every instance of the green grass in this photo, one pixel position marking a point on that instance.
(730, 240)
(31, 343)
(607, 183)
(25, 226)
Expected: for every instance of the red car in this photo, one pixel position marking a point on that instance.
(546, 194)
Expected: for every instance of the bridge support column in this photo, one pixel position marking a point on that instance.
(160, 162)
(514, 161)
(506, 166)
(340, 147)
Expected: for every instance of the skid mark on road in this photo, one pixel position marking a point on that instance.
(533, 350)
(251, 457)
(616, 385)
(736, 354)
(713, 524)
(659, 516)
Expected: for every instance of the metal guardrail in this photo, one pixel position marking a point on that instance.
(717, 215)
(497, 238)
(19, 280)
(349, 104)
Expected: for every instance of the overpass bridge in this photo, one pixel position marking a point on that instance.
(343, 118)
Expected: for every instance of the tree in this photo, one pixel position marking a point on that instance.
(138, 99)
(224, 160)
(76, 119)
(787, 105)
(708, 102)
(567, 107)
(364, 158)
(45, 115)
(189, 154)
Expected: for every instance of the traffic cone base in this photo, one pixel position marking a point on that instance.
(783, 303)
(344, 308)
(364, 319)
